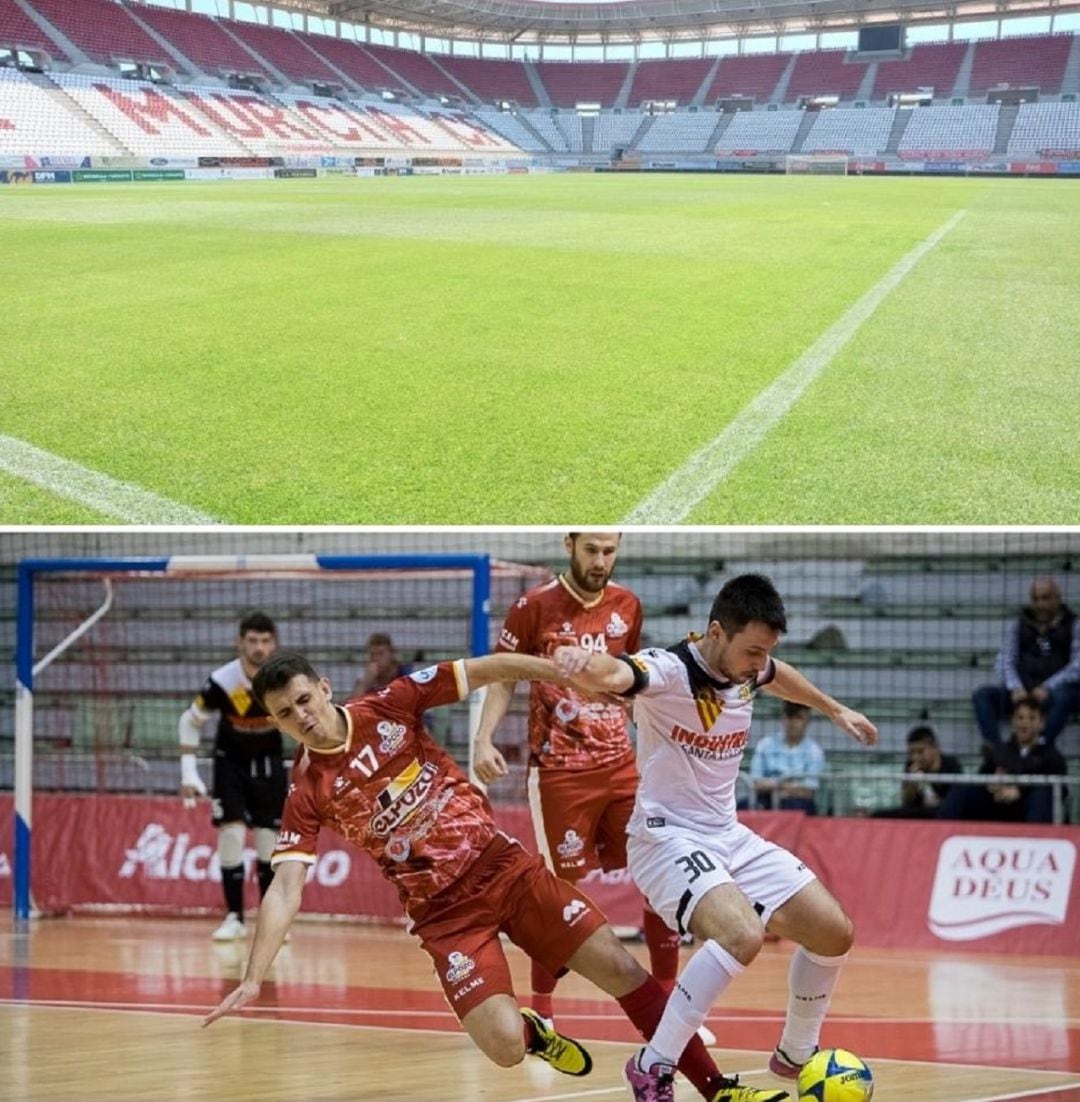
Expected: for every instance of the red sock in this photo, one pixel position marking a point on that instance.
(663, 945)
(644, 1007)
(543, 984)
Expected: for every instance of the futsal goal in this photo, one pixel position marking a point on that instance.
(109, 652)
(816, 164)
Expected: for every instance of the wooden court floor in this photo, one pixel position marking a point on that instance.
(108, 1009)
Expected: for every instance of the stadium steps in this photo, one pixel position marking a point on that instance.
(896, 134)
(718, 131)
(545, 145)
(706, 84)
(282, 80)
(588, 128)
(1070, 79)
(623, 97)
(469, 94)
(642, 130)
(75, 55)
(805, 126)
(962, 84)
(1006, 122)
(541, 93)
(184, 63)
(74, 107)
(866, 86)
(780, 91)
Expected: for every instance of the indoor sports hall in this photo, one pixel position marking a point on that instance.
(964, 982)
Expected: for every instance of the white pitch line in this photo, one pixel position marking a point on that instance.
(1029, 1093)
(121, 500)
(674, 499)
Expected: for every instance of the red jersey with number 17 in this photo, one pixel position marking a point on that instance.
(566, 729)
(392, 791)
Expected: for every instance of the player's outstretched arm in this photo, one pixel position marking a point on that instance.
(789, 684)
(592, 672)
(276, 912)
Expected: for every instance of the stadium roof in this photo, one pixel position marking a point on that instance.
(509, 20)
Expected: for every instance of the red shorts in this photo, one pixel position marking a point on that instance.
(580, 818)
(508, 890)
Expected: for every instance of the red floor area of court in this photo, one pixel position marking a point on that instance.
(993, 1042)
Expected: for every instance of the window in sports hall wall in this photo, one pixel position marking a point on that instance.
(466, 49)
(686, 49)
(839, 40)
(648, 50)
(1030, 24)
(408, 41)
(937, 32)
(721, 47)
(760, 45)
(551, 52)
(620, 53)
(796, 42)
(588, 53)
(1069, 21)
(498, 50)
(252, 13)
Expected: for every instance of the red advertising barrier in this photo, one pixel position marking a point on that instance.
(975, 886)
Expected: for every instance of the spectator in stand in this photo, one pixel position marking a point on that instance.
(1025, 753)
(1040, 660)
(785, 768)
(383, 664)
(921, 798)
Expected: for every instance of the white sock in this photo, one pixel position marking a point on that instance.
(701, 983)
(811, 980)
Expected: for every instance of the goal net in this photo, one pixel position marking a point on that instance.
(110, 653)
(816, 164)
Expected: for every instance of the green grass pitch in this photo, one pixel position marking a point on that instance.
(544, 350)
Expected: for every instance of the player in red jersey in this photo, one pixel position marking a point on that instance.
(371, 772)
(582, 775)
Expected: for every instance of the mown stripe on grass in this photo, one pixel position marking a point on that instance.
(677, 496)
(127, 503)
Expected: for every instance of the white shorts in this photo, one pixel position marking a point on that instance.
(674, 868)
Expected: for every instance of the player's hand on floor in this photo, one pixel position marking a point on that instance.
(236, 1000)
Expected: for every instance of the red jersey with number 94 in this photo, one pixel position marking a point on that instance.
(392, 791)
(566, 729)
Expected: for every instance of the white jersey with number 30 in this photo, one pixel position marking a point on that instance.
(692, 731)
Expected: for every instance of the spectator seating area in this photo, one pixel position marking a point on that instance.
(679, 80)
(18, 29)
(848, 130)
(679, 133)
(756, 75)
(904, 640)
(825, 71)
(761, 131)
(970, 130)
(933, 65)
(614, 130)
(30, 119)
(1038, 61)
(570, 83)
(1046, 126)
(205, 41)
(104, 31)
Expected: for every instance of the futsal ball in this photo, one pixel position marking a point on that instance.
(835, 1075)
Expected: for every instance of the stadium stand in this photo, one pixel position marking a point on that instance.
(934, 65)
(545, 125)
(1046, 126)
(571, 83)
(31, 119)
(678, 80)
(761, 130)
(512, 128)
(416, 69)
(756, 75)
(19, 31)
(679, 132)
(358, 65)
(285, 51)
(203, 40)
(851, 130)
(964, 131)
(103, 31)
(825, 72)
(492, 81)
(615, 130)
(1021, 62)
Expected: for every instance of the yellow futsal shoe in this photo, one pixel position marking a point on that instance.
(728, 1090)
(562, 1053)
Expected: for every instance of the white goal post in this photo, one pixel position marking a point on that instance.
(816, 164)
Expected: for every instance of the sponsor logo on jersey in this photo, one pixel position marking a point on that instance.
(428, 673)
(398, 848)
(568, 628)
(656, 821)
(460, 968)
(286, 839)
(403, 796)
(617, 626)
(573, 911)
(522, 602)
(508, 639)
(571, 845)
(340, 782)
(709, 747)
(391, 736)
(709, 706)
(567, 710)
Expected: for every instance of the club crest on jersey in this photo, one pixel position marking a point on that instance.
(709, 706)
(391, 736)
(746, 691)
(460, 967)
(571, 845)
(241, 700)
(422, 677)
(567, 710)
(617, 626)
(403, 795)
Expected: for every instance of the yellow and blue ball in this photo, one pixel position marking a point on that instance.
(835, 1075)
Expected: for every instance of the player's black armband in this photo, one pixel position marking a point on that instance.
(640, 672)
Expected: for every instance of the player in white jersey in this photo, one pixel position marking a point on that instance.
(699, 868)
